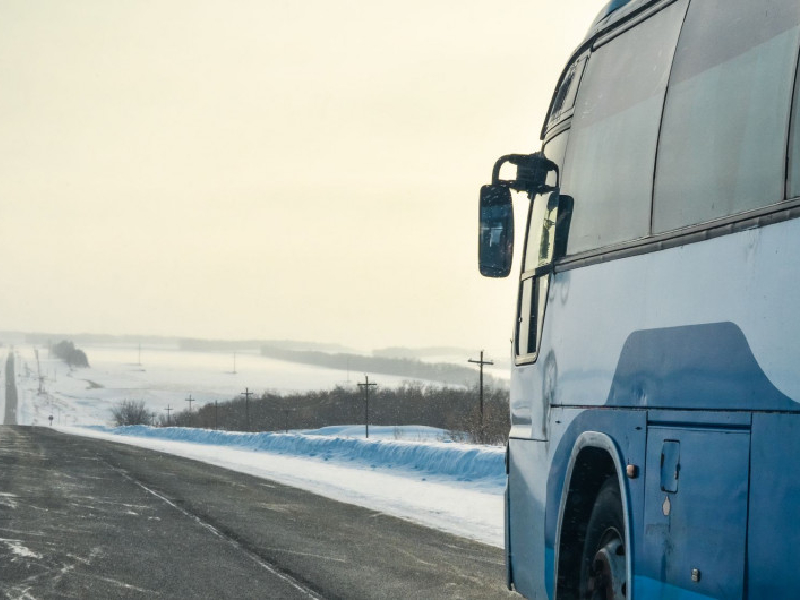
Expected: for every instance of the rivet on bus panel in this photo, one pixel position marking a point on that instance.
(632, 471)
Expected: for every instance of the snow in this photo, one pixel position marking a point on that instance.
(166, 377)
(415, 473)
(414, 433)
(460, 462)
(18, 549)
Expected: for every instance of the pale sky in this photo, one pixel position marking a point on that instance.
(267, 169)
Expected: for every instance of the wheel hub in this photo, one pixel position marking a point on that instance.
(608, 580)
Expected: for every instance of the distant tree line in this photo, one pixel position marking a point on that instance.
(446, 373)
(67, 352)
(454, 409)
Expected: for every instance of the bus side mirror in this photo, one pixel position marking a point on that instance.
(496, 236)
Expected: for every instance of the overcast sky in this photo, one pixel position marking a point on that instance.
(268, 169)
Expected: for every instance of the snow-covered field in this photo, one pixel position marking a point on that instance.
(165, 377)
(411, 472)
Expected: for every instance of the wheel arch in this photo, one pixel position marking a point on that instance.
(594, 458)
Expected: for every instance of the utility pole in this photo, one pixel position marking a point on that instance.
(366, 387)
(216, 415)
(190, 400)
(482, 362)
(234, 363)
(247, 394)
(39, 373)
(168, 409)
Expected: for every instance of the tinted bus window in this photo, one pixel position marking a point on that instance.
(723, 139)
(794, 147)
(564, 99)
(609, 163)
(538, 211)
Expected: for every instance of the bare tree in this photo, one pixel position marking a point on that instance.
(131, 412)
(493, 429)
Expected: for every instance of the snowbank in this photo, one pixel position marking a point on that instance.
(458, 461)
(410, 433)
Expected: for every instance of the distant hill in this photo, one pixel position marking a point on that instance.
(420, 353)
(90, 338)
(183, 343)
(201, 345)
(446, 354)
(441, 372)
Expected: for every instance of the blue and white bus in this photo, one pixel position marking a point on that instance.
(655, 393)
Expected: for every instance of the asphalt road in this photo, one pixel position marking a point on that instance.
(84, 518)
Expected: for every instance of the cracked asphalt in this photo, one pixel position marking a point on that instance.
(84, 518)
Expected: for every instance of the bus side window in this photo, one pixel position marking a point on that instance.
(793, 176)
(541, 243)
(724, 131)
(564, 99)
(611, 155)
(561, 241)
(532, 298)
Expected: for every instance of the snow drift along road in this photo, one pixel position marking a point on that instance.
(461, 462)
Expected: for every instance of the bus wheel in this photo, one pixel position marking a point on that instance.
(604, 572)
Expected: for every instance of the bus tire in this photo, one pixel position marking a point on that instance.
(604, 572)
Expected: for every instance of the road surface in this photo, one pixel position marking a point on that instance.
(85, 518)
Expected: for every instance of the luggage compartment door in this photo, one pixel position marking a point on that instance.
(695, 525)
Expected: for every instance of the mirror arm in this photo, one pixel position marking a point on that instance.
(532, 170)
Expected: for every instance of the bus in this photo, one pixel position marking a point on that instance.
(655, 389)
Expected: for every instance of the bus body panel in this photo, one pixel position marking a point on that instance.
(627, 430)
(707, 524)
(534, 508)
(527, 553)
(695, 523)
(529, 415)
(773, 567)
(736, 349)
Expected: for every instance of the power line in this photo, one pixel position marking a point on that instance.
(247, 394)
(366, 387)
(286, 419)
(481, 362)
